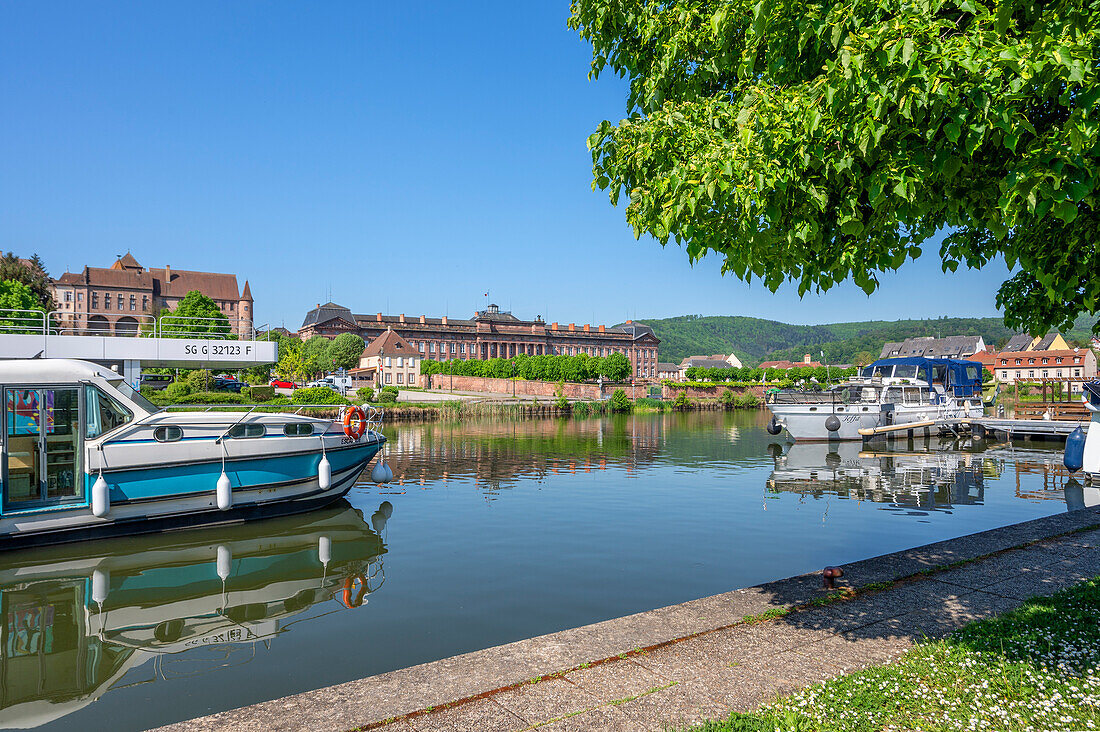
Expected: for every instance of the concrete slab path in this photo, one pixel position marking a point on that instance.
(682, 664)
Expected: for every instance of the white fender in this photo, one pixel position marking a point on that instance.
(101, 584)
(224, 562)
(101, 497)
(224, 492)
(324, 473)
(324, 549)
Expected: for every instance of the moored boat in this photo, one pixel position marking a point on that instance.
(927, 394)
(87, 456)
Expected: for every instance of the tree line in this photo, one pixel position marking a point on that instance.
(582, 367)
(821, 374)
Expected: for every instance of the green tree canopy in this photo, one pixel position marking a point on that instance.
(15, 295)
(344, 350)
(818, 142)
(32, 274)
(196, 316)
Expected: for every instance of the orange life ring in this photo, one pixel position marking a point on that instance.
(354, 414)
(349, 584)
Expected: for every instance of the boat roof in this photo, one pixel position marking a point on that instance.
(957, 366)
(52, 371)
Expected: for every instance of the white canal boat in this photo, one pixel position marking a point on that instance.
(924, 394)
(86, 456)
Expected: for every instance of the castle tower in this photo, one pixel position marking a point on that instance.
(244, 312)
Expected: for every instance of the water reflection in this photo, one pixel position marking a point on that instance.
(80, 620)
(929, 476)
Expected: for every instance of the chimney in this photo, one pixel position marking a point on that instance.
(587, 328)
(379, 317)
(444, 320)
(806, 358)
(601, 329)
(572, 326)
(168, 277)
(553, 326)
(422, 320)
(401, 318)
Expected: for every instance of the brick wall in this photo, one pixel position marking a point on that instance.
(545, 389)
(709, 392)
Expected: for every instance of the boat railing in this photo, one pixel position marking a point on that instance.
(802, 397)
(372, 416)
(127, 324)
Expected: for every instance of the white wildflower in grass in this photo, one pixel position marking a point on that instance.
(1035, 668)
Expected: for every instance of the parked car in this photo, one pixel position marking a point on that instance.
(325, 384)
(154, 382)
(282, 384)
(222, 384)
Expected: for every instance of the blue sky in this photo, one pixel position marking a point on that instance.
(398, 157)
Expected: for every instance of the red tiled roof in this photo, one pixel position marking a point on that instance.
(789, 365)
(390, 344)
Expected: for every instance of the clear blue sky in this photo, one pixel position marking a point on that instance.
(399, 157)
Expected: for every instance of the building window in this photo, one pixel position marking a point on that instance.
(68, 296)
(120, 304)
(80, 297)
(400, 362)
(431, 347)
(1058, 372)
(399, 377)
(145, 303)
(421, 346)
(1017, 374)
(1045, 373)
(1031, 374)
(453, 344)
(1058, 360)
(1004, 362)
(106, 301)
(1077, 372)
(1046, 360)
(133, 302)
(387, 360)
(389, 378)
(1018, 362)
(1077, 359)
(462, 348)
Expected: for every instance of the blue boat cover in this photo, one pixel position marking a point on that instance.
(964, 377)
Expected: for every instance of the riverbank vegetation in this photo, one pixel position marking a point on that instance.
(1035, 667)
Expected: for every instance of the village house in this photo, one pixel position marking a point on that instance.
(929, 347)
(1075, 363)
(388, 360)
(806, 362)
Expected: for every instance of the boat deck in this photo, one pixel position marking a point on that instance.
(1056, 429)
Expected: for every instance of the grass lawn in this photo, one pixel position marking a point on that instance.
(1034, 668)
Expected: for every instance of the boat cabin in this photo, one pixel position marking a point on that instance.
(50, 409)
(961, 378)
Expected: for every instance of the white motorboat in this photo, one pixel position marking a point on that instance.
(927, 394)
(86, 456)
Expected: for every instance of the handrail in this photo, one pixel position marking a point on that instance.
(137, 325)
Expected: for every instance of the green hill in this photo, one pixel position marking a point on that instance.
(756, 339)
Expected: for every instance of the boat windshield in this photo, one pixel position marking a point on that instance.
(135, 396)
(906, 371)
(878, 372)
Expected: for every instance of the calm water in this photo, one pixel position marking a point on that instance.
(493, 533)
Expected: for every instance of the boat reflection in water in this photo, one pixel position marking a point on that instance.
(932, 477)
(77, 618)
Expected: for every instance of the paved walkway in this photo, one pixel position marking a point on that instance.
(685, 663)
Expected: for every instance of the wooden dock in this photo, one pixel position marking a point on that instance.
(1048, 429)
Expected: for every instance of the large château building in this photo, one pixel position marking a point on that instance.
(491, 333)
(121, 298)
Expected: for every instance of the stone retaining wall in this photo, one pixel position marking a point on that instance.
(546, 389)
(709, 392)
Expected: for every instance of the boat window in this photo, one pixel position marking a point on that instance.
(298, 429)
(246, 430)
(905, 371)
(104, 413)
(912, 395)
(882, 372)
(972, 373)
(168, 433)
(939, 373)
(892, 395)
(135, 396)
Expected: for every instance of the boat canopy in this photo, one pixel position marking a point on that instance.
(965, 377)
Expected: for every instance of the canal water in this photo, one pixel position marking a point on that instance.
(492, 532)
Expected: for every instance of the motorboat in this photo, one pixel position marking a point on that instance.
(77, 618)
(916, 396)
(86, 456)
